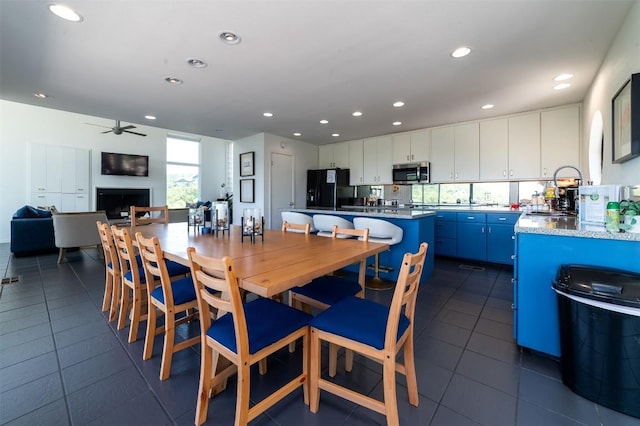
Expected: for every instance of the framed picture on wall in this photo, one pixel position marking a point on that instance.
(246, 164)
(626, 121)
(247, 190)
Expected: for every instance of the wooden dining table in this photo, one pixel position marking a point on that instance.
(270, 265)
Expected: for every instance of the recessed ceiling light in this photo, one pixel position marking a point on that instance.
(65, 12)
(197, 63)
(229, 37)
(173, 80)
(461, 52)
(150, 117)
(398, 104)
(324, 121)
(563, 77)
(335, 135)
(297, 134)
(357, 114)
(41, 95)
(561, 86)
(487, 106)
(397, 123)
(267, 114)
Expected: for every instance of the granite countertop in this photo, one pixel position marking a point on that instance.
(391, 213)
(568, 226)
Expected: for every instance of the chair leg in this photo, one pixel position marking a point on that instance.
(305, 367)
(262, 366)
(314, 372)
(389, 385)
(108, 291)
(115, 299)
(150, 336)
(242, 401)
(61, 255)
(348, 360)
(169, 340)
(124, 306)
(135, 316)
(410, 372)
(204, 389)
(333, 359)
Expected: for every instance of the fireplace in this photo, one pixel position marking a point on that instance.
(116, 202)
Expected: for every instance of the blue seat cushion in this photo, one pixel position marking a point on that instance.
(182, 289)
(329, 289)
(267, 322)
(358, 319)
(173, 269)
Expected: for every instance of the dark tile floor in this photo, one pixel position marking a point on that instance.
(61, 362)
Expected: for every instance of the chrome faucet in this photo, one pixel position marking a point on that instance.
(555, 176)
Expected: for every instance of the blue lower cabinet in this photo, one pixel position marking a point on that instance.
(500, 237)
(472, 238)
(446, 234)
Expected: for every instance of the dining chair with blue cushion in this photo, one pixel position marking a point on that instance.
(133, 297)
(170, 298)
(244, 334)
(112, 271)
(377, 332)
(328, 290)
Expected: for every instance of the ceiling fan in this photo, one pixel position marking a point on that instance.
(118, 130)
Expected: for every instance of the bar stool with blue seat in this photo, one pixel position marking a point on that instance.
(380, 231)
(298, 219)
(324, 223)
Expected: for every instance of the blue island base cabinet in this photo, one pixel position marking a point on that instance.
(538, 258)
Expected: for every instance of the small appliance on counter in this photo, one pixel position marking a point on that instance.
(594, 200)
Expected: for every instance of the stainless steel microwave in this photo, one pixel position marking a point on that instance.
(411, 173)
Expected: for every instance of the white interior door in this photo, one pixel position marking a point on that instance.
(282, 194)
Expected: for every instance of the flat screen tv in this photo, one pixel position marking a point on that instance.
(124, 164)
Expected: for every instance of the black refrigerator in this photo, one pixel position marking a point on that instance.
(328, 188)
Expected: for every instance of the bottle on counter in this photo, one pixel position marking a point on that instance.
(612, 218)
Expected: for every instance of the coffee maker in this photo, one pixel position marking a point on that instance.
(567, 198)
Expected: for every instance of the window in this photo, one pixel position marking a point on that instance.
(183, 171)
(461, 193)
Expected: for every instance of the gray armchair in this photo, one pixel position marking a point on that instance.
(76, 230)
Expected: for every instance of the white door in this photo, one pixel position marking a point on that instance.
(282, 195)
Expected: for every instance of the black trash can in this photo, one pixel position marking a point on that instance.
(599, 313)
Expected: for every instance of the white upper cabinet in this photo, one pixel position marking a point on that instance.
(356, 162)
(378, 161)
(75, 170)
(455, 153)
(524, 146)
(411, 147)
(333, 155)
(467, 152)
(46, 168)
(560, 141)
(442, 154)
(494, 150)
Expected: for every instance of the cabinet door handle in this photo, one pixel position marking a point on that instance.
(504, 173)
(502, 218)
(483, 229)
(470, 217)
(456, 175)
(412, 156)
(544, 171)
(488, 229)
(407, 157)
(511, 172)
(513, 257)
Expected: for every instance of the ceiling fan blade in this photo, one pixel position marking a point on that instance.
(130, 126)
(134, 133)
(108, 131)
(99, 125)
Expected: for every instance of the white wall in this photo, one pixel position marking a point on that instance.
(305, 157)
(22, 124)
(622, 60)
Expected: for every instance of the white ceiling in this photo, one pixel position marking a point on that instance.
(303, 60)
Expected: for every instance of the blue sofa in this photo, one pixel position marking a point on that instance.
(32, 232)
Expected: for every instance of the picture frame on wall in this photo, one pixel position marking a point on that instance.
(247, 164)
(625, 108)
(247, 190)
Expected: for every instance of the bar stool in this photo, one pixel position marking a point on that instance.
(324, 223)
(380, 231)
(298, 219)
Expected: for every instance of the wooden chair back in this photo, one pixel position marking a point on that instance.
(155, 269)
(405, 293)
(159, 214)
(126, 252)
(296, 227)
(217, 289)
(361, 234)
(112, 268)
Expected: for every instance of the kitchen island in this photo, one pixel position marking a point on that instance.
(417, 226)
(543, 243)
